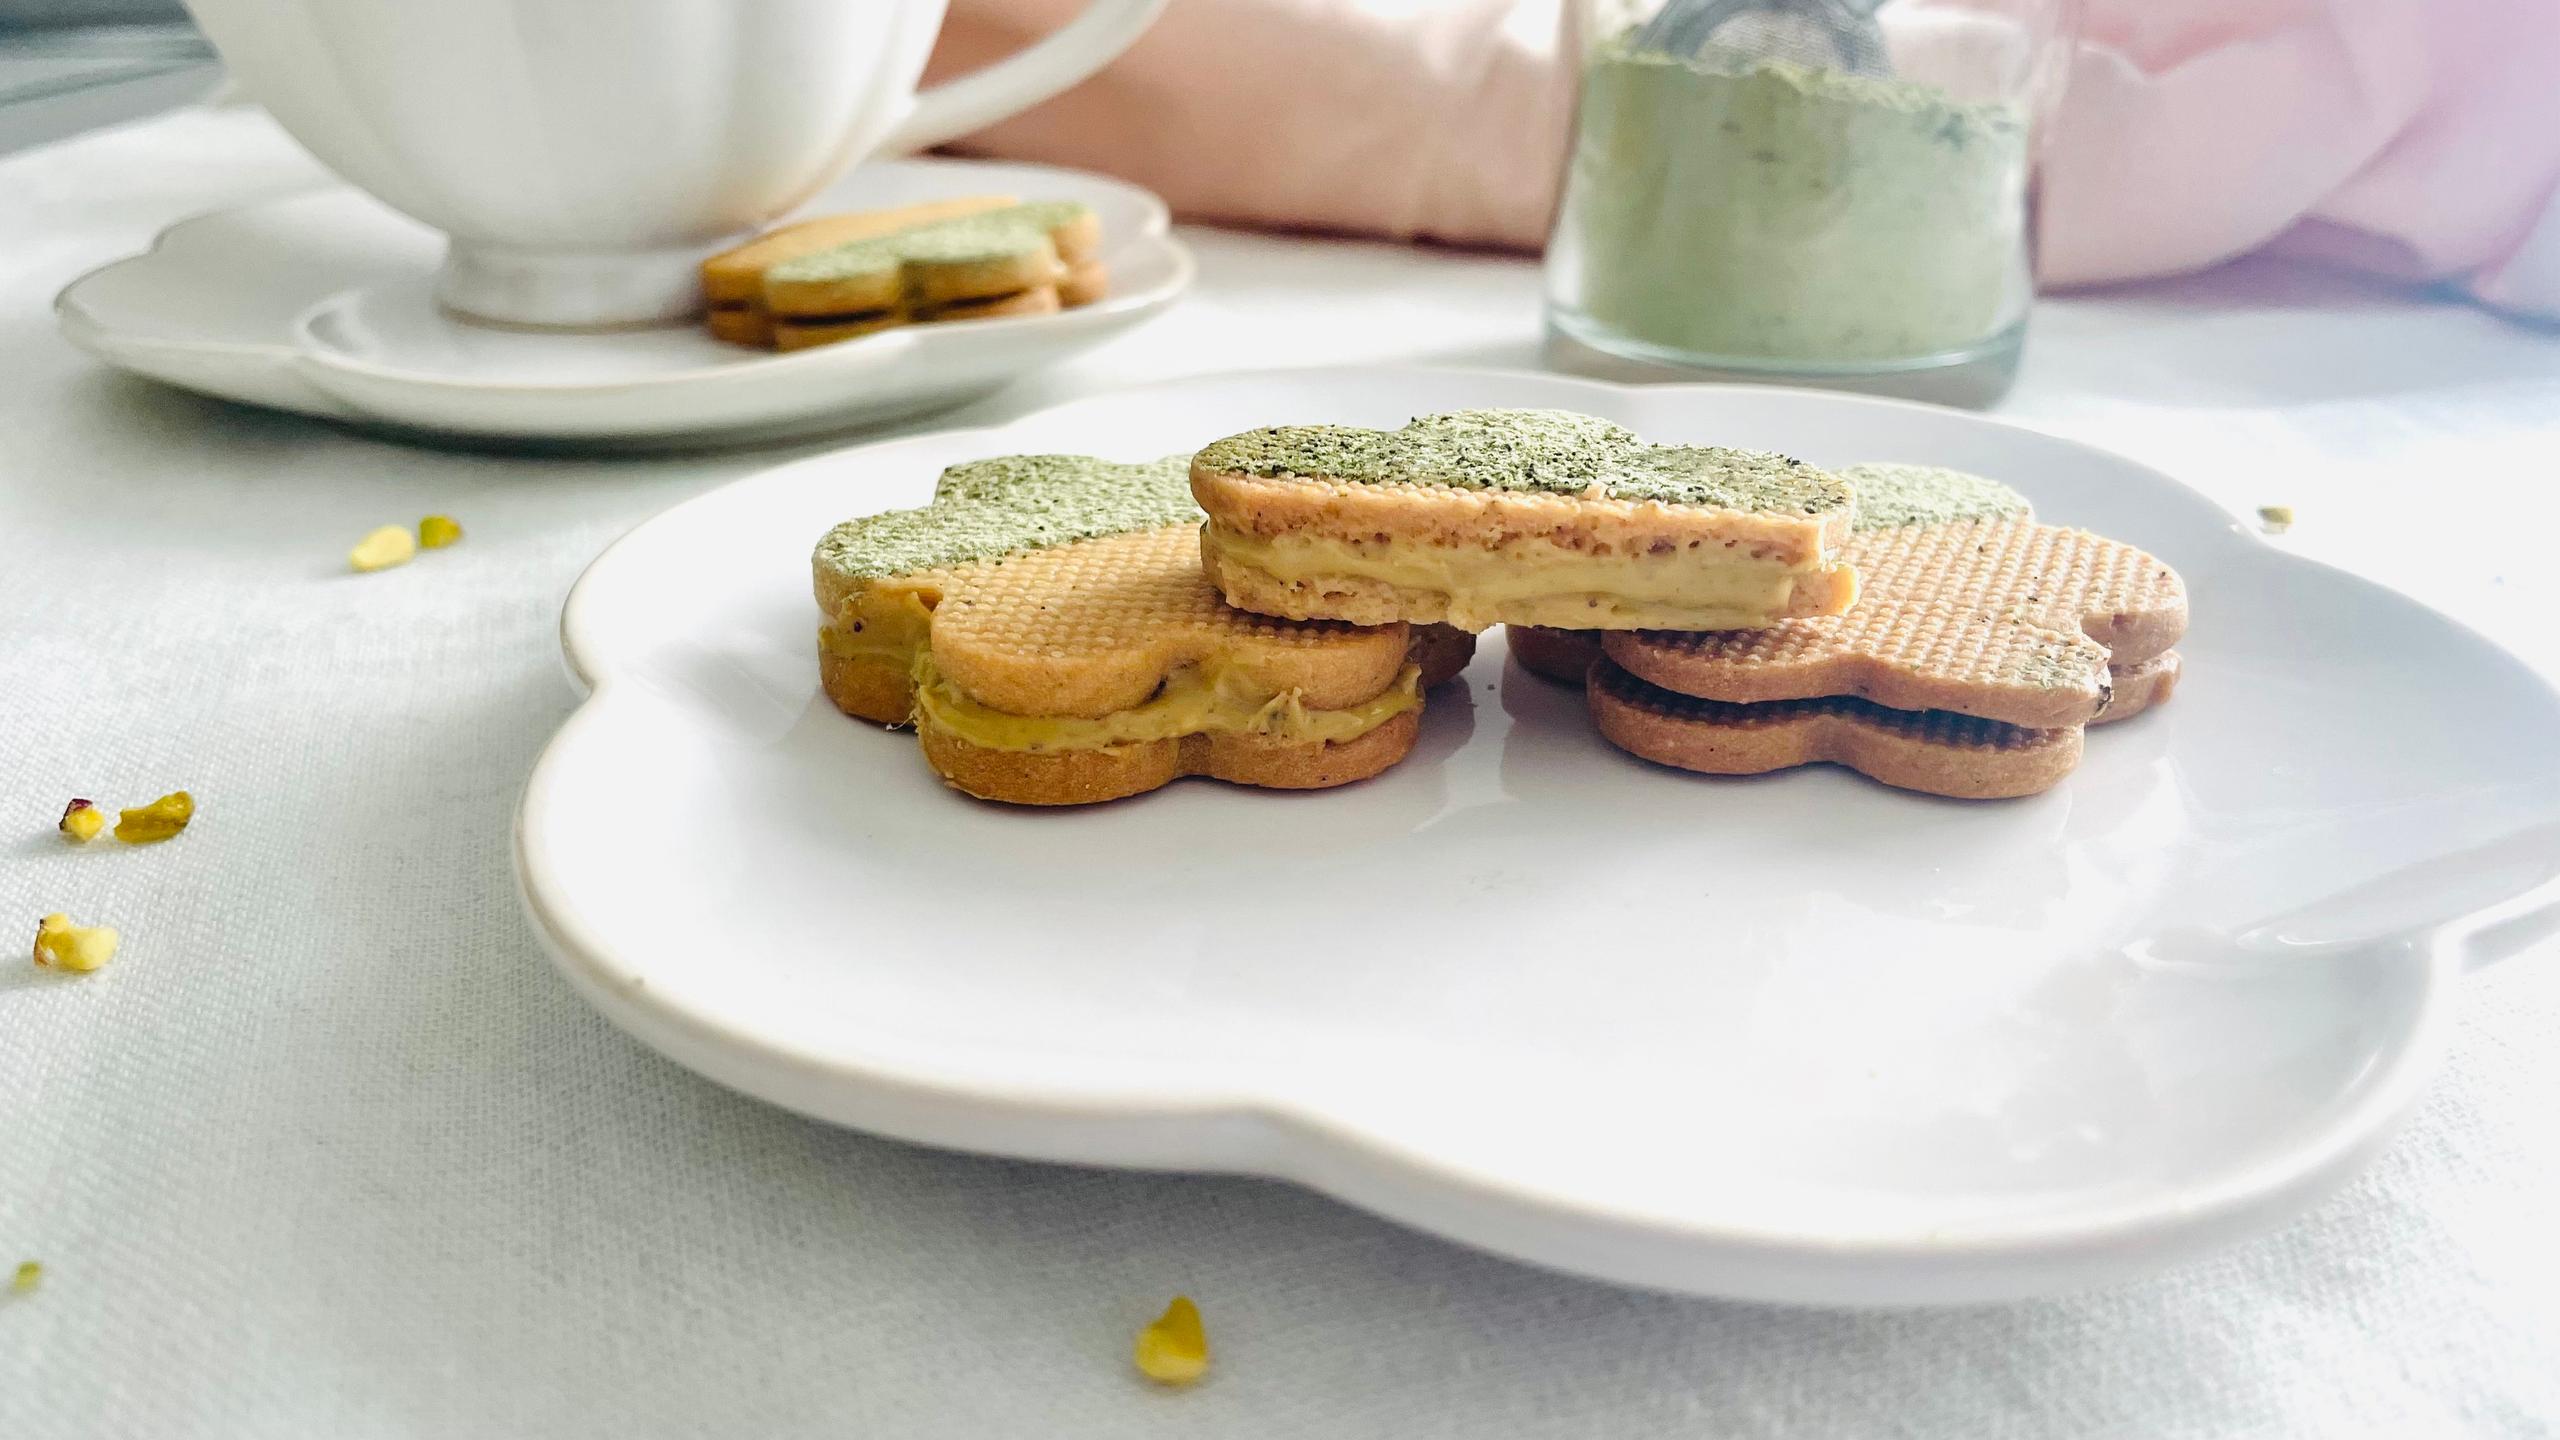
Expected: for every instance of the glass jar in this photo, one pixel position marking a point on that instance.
(1806, 194)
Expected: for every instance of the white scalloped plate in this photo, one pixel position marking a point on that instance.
(1796, 1038)
(321, 304)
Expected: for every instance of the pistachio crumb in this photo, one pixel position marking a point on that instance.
(61, 945)
(160, 820)
(1174, 1350)
(81, 821)
(382, 548)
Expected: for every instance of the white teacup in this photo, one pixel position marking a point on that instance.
(582, 155)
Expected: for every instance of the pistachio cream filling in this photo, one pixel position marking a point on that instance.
(1195, 700)
(1534, 582)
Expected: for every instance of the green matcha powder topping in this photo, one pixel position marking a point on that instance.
(987, 235)
(1554, 452)
(990, 508)
(1892, 496)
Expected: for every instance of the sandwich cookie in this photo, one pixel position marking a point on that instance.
(1011, 260)
(1521, 517)
(733, 280)
(1985, 641)
(1045, 627)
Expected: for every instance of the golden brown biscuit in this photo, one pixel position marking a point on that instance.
(1045, 626)
(970, 257)
(733, 280)
(801, 335)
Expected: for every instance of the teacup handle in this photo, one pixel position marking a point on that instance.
(975, 101)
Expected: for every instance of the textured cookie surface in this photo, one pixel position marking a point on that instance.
(733, 280)
(965, 257)
(840, 277)
(1046, 625)
(1930, 751)
(1517, 516)
(1968, 605)
(1566, 656)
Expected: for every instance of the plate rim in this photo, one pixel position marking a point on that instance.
(118, 346)
(1277, 1137)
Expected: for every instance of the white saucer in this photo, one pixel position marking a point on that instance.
(320, 304)
(1798, 1038)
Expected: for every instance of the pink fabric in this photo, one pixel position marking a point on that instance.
(2416, 138)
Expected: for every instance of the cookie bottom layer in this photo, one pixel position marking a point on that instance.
(1084, 777)
(1271, 743)
(1440, 652)
(1378, 582)
(1565, 657)
(1930, 751)
(1191, 701)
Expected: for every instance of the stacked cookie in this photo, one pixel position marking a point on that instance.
(842, 276)
(1045, 627)
(1732, 612)
(1982, 646)
(1273, 610)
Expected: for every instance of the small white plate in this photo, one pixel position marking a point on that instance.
(321, 304)
(1796, 1038)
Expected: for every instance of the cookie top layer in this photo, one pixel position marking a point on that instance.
(988, 235)
(1547, 452)
(1893, 496)
(990, 508)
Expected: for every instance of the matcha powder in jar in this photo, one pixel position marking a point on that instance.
(1750, 202)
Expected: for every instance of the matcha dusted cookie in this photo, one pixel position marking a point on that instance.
(733, 280)
(1526, 517)
(1045, 627)
(1985, 641)
(973, 262)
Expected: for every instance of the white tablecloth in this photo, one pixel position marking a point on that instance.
(330, 1150)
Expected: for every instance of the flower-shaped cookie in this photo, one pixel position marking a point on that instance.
(1045, 625)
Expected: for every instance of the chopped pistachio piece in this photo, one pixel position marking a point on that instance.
(1175, 1349)
(157, 821)
(81, 821)
(61, 945)
(383, 548)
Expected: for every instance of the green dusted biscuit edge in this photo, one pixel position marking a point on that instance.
(985, 509)
(1891, 497)
(960, 240)
(1552, 452)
